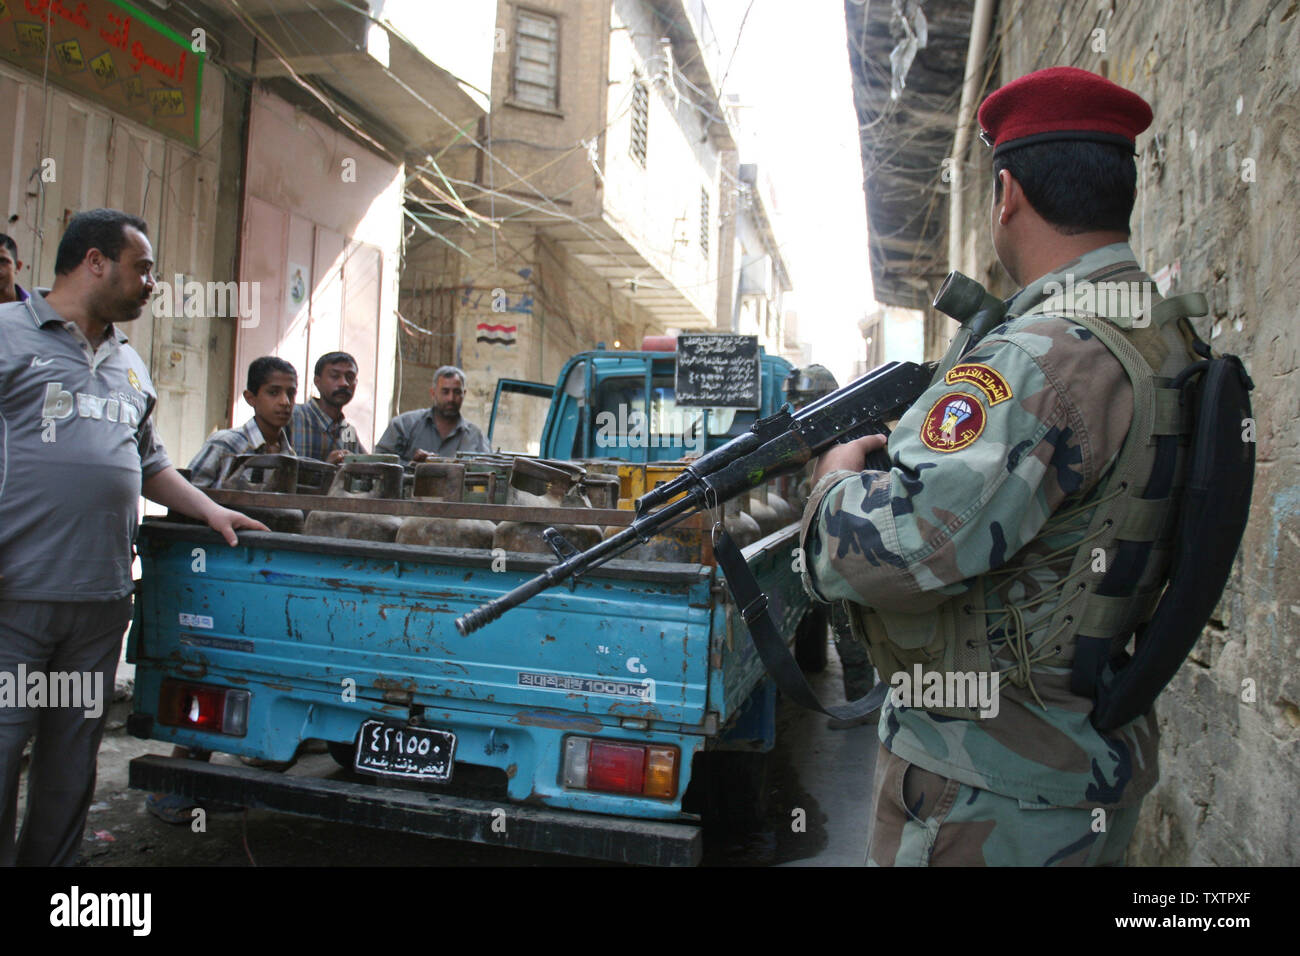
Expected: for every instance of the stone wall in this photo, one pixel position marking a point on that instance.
(1215, 200)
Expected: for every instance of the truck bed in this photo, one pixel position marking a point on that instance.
(324, 633)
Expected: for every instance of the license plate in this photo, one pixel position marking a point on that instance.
(402, 751)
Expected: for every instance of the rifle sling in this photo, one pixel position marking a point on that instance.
(772, 650)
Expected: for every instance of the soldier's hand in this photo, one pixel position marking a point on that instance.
(851, 456)
(224, 522)
(336, 456)
(421, 455)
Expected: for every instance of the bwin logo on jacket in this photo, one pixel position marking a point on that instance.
(60, 404)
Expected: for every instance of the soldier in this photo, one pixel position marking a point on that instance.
(972, 551)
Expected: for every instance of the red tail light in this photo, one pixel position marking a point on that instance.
(616, 768)
(218, 710)
(645, 770)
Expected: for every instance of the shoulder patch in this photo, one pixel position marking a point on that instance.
(133, 379)
(953, 422)
(987, 379)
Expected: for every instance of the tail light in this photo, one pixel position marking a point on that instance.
(219, 710)
(640, 770)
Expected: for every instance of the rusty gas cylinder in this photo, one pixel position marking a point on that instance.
(675, 545)
(485, 477)
(762, 512)
(443, 481)
(315, 477)
(743, 528)
(360, 480)
(261, 474)
(536, 484)
(784, 510)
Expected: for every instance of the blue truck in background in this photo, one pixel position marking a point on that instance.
(607, 720)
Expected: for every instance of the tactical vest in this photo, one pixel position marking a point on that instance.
(1134, 520)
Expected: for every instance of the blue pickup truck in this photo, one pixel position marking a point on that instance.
(606, 719)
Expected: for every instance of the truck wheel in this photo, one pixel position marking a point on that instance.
(810, 641)
(729, 789)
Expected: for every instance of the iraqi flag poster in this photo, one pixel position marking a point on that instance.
(496, 334)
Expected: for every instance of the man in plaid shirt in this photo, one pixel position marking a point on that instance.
(319, 429)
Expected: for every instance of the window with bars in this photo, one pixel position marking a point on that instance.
(640, 120)
(537, 59)
(704, 222)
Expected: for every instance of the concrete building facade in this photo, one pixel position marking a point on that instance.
(608, 167)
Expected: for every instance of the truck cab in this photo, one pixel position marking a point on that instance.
(621, 405)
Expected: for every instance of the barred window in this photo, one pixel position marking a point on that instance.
(704, 222)
(537, 59)
(640, 120)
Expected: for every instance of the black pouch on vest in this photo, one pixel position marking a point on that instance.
(1211, 521)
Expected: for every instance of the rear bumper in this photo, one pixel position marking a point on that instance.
(572, 833)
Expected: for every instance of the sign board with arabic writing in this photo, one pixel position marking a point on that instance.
(111, 53)
(718, 370)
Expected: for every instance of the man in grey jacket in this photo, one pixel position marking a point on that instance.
(77, 448)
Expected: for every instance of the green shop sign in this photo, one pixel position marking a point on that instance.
(111, 53)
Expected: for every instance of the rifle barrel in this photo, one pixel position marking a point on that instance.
(641, 529)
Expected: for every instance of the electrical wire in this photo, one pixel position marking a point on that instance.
(487, 151)
(546, 207)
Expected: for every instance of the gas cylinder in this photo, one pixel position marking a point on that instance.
(762, 512)
(443, 481)
(360, 479)
(785, 512)
(601, 490)
(537, 484)
(486, 477)
(743, 528)
(315, 477)
(277, 474)
(675, 546)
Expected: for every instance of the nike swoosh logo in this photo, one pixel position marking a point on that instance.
(37, 363)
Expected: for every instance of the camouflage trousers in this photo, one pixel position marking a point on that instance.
(924, 819)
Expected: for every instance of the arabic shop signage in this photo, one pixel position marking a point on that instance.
(112, 53)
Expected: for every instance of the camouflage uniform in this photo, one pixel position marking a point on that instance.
(1005, 492)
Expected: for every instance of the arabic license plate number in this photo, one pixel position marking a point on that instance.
(402, 751)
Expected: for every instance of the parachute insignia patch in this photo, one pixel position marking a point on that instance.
(953, 423)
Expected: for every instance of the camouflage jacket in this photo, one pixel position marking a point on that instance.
(996, 472)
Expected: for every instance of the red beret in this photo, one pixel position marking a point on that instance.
(1059, 103)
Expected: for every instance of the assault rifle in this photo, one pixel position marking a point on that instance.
(778, 445)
